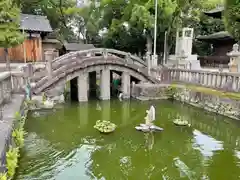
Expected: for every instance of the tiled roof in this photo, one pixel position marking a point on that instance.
(215, 10)
(78, 46)
(35, 23)
(218, 35)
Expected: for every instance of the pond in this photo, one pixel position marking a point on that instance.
(63, 144)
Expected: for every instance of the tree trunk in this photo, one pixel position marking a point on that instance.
(7, 59)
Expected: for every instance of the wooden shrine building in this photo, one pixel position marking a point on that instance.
(37, 30)
(221, 42)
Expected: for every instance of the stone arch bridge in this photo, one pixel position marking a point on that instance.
(83, 63)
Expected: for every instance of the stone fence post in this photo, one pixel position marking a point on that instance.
(28, 70)
(234, 64)
(149, 64)
(49, 55)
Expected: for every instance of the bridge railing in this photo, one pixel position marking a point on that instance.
(76, 57)
(19, 81)
(99, 51)
(12, 82)
(5, 87)
(226, 81)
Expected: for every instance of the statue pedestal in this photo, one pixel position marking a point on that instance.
(147, 128)
(188, 62)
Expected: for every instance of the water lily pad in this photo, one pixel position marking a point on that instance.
(105, 126)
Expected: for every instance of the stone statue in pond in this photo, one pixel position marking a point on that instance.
(150, 116)
(149, 126)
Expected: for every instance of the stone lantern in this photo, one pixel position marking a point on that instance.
(234, 64)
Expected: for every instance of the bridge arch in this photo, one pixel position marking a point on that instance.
(79, 64)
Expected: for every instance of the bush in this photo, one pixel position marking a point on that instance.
(12, 160)
(18, 135)
(19, 120)
(3, 176)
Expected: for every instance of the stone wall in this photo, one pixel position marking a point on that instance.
(219, 104)
(214, 103)
(148, 91)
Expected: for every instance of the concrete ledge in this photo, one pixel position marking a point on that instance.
(6, 124)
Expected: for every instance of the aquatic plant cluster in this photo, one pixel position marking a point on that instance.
(13, 152)
(180, 122)
(105, 126)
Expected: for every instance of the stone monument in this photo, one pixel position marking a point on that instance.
(183, 51)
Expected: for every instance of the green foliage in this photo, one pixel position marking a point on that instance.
(129, 23)
(171, 91)
(19, 120)
(12, 160)
(18, 135)
(142, 17)
(124, 25)
(9, 27)
(180, 122)
(3, 176)
(18, 116)
(232, 17)
(29, 104)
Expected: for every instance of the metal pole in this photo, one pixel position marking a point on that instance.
(155, 29)
(165, 49)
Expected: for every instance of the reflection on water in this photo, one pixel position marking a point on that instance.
(64, 145)
(206, 144)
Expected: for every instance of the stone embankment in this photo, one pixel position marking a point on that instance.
(6, 125)
(220, 102)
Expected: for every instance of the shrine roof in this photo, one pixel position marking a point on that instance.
(222, 35)
(38, 23)
(216, 12)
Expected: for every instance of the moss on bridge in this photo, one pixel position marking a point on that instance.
(231, 95)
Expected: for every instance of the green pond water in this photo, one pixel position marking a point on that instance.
(63, 145)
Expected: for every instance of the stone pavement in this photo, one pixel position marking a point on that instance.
(6, 124)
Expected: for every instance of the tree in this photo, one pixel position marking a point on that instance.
(10, 34)
(121, 24)
(130, 24)
(85, 21)
(232, 17)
